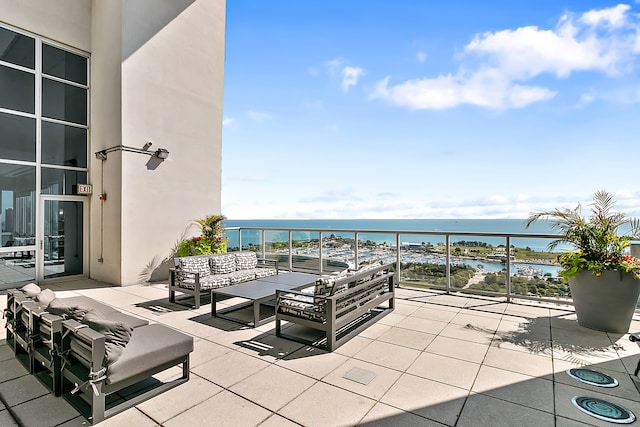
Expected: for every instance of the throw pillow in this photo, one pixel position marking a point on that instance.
(46, 296)
(246, 260)
(116, 335)
(223, 264)
(31, 290)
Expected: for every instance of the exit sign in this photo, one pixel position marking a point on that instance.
(85, 189)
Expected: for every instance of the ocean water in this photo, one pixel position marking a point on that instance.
(407, 226)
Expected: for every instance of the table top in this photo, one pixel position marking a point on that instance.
(267, 286)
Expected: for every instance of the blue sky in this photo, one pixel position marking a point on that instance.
(353, 109)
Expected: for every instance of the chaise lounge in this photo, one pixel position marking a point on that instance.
(101, 360)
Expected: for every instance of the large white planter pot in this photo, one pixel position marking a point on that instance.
(606, 302)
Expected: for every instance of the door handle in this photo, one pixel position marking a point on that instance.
(41, 245)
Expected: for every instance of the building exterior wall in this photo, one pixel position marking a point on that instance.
(64, 21)
(105, 226)
(156, 75)
(172, 86)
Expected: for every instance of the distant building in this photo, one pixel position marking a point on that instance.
(90, 90)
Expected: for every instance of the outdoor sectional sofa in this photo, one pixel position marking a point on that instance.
(198, 275)
(341, 306)
(101, 360)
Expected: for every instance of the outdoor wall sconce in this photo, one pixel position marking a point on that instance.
(160, 153)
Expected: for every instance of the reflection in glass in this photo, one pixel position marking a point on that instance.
(63, 234)
(65, 65)
(64, 145)
(17, 205)
(62, 181)
(18, 137)
(17, 90)
(17, 48)
(64, 102)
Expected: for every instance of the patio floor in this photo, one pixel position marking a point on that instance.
(436, 360)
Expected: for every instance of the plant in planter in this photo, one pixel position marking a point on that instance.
(210, 241)
(604, 279)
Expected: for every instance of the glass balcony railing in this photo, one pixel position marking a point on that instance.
(492, 264)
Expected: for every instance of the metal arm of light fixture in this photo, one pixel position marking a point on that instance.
(160, 153)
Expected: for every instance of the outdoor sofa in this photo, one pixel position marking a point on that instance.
(197, 275)
(101, 360)
(341, 306)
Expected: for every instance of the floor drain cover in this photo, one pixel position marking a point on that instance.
(603, 410)
(361, 376)
(591, 377)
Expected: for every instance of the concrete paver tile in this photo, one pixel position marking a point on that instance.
(325, 405)
(224, 408)
(445, 369)
(431, 399)
(516, 388)
(482, 410)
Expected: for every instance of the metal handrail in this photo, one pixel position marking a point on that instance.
(398, 233)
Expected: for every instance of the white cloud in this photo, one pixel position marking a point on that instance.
(613, 16)
(421, 57)
(340, 203)
(259, 116)
(496, 67)
(350, 77)
(450, 91)
(227, 121)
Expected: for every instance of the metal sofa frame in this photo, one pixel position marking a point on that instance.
(346, 313)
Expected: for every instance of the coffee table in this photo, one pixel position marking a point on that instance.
(261, 293)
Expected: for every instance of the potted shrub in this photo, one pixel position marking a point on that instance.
(210, 241)
(604, 279)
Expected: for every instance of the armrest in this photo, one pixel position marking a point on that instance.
(180, 275)
(81, 330)
(263, 263)
(94, 339)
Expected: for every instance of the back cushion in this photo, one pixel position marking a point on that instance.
(246, 260)
(195, 265)
(222, 264)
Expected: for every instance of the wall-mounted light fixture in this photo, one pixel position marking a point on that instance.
(101, 155)
(160, 153)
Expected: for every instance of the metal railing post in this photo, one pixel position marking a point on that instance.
(264, 243)
(320, 252)
(239, 239)
(398, 257)
(507, 279)
(290, 250)
(355, 252)
(447, 239)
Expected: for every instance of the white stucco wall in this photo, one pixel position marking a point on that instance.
(172, 91)
(106, 131)
(64, 21)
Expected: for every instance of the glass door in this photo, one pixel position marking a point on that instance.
(62, 245)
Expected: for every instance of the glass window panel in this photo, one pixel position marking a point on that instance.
(61, 181)
(17, 48)
(64, 145)
(17, 205)
(64, 102)
(17, 90)
(17, 137)
(66, 65)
